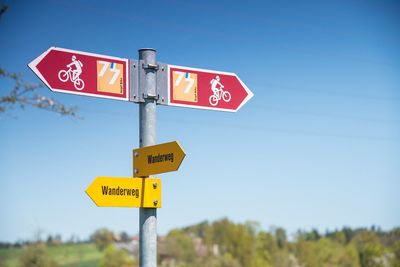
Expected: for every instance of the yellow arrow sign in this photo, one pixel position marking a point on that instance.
(125, 192)
(161, 158)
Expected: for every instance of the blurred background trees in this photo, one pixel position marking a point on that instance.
(221, 243)
(224, 243)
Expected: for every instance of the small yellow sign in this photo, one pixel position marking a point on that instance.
(184, 86)
(160, 158)
(110, 77)
(125, 192)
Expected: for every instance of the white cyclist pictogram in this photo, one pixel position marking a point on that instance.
(73, 74)
(218, 92)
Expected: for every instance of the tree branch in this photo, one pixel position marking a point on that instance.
(25, 94)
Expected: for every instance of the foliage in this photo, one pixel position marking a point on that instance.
(102, 238)
(116, 258)
(370, 249)
(224, 243)
(395, 248)
(226, 260)
(25, 94)
(280, 236)
(325, 253)
(180, 246)
(66, 255)
(36, 255)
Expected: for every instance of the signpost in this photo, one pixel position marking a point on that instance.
(125, 192)
(81, 73)
(206, 89)
(156, 159)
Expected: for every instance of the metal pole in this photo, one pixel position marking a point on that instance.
(147, 137)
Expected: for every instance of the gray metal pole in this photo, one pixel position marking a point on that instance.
(147, 137)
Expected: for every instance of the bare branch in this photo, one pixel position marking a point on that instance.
(25, 94)
(3, 9)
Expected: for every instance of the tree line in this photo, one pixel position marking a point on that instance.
(226, 244)
(223, 243)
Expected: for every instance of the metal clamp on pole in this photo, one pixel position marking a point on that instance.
(162, 84)
(145, 70)
(150, 66)
(150, 97)
(160, 94)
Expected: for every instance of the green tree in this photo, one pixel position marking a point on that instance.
(370, 250)
(116, 258)
(326, 253)
(102, 238)
(273, 249)
(237, 240)
(36, 255)
(339, 237)
(396, 254)
(313, 235)
(226, 260)
(266, 248)
(179, 246)
(280, 237)
(245, 245)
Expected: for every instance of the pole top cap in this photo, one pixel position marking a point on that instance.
(147, 49)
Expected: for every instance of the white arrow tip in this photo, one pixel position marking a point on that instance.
(33, 66)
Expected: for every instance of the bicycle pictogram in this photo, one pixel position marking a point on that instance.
(73, 74)
(219, 93)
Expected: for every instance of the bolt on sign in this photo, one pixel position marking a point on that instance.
(125, 192)
(82, 73)
(156, 159)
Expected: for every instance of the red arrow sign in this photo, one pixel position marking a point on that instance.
(76, 72)
(206, 89)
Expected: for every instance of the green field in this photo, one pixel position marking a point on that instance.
(74, 255)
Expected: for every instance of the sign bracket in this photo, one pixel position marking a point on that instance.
(150, 66)
(162, 80)
(133, 79)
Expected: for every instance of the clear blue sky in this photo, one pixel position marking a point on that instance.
(317, 146)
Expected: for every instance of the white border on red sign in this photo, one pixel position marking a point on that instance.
(32, 65)
(249, 93)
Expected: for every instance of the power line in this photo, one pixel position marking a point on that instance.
(323, 115)
(269, 129)
(257, 19)
(278, 109)
(286, 131)
(214, 36)
(278, 21)
(325, 92)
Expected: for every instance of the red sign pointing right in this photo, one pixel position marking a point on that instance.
(206, 89)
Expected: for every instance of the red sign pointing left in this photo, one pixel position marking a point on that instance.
(81, 73)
